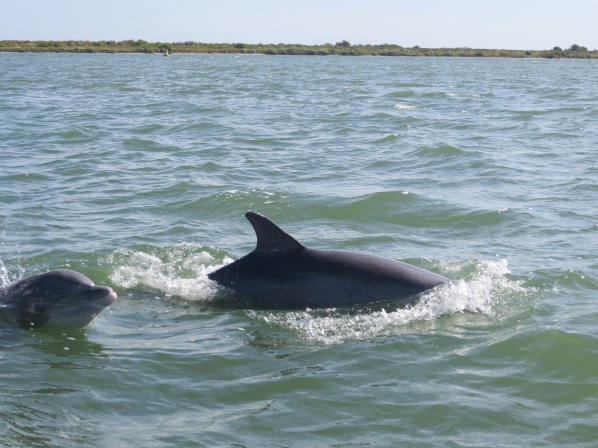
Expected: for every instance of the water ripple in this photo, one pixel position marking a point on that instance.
(137, 170)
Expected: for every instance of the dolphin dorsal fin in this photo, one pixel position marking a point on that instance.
(270, 237)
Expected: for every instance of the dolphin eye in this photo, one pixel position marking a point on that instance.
(38, 309)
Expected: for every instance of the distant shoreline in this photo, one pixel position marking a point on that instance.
(343, 48)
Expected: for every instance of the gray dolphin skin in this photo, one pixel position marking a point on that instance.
(282, 273)
(57, 298)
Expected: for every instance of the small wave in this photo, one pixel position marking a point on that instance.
(549, 353)
(377, 204)
(402, 94)
(25, 177)
(389, 138)
(487, 292)
(351, 90)
(439, 151)
(463, 95)
(401, 106)
(75, 134)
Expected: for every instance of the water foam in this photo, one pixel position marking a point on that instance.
(482, 288)
(180, 271)
(488, 292)
(4, 277)
(12, 270)
(402, 106)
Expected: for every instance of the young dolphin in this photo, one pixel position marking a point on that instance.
(58, 298)
(282, 273)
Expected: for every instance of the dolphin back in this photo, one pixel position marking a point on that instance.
(282, 273)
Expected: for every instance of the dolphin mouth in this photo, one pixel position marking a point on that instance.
(105, 296)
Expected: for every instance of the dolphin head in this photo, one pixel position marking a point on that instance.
(60, 298)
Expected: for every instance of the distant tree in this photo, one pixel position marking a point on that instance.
(557, 49)
(344, 43)
(576, 47)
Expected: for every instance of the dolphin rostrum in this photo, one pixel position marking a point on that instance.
(282, 273)
(58, 298)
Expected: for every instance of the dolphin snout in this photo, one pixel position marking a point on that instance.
(106, 296)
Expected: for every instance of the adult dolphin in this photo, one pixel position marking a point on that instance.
(59, 298)
(282, 273)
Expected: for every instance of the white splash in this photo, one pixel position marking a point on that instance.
(180, 271)
(483, 294)
(11, 273)
(401, 106)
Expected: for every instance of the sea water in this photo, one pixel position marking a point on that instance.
(136, 170)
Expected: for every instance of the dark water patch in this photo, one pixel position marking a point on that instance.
(435, 94)
(476, 219)
(145, 130)
(380, 117)
(25, 178)
(402, 93)
(439, 151)
(373, 205)
(387, 139)
(149, 146)
(75, 135)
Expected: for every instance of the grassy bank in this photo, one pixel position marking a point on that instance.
(343, 48)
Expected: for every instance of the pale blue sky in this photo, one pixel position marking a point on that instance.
(506, 24)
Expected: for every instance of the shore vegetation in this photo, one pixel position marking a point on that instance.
(342, 48)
